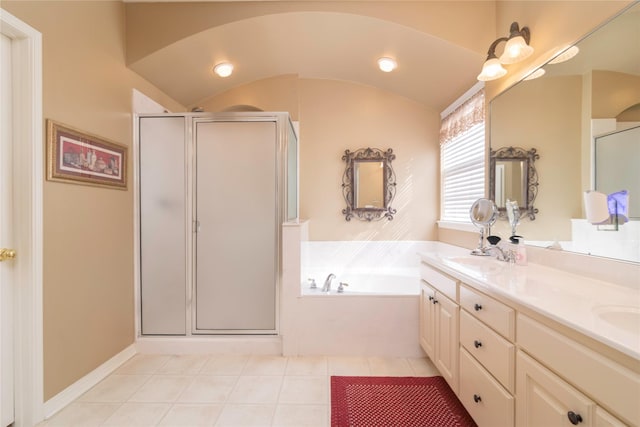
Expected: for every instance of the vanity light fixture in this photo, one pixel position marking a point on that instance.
(223, 69)
(516, 49)
(387, 64)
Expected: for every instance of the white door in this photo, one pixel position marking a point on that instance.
(6, 239)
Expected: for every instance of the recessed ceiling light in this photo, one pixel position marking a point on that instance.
(223, 69)
(387, 64)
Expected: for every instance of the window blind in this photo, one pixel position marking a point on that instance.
(462, 161)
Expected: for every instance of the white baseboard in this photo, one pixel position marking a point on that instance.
(75, 390)
(267, 345)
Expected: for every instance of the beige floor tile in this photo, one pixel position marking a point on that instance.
(162, 388)
(191, 415)
(115, 388)
(392, 367)
(423, 367)
(301, 416)
(348, 366)
(304, 389)
(184, 364)
(307, 366)
(265, 365)
(83, 414)
(138, 414)
(246, 415)
(224, 365)
(254, 389)
(208, 389)
(143, 364)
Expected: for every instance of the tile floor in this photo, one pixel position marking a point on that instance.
(205, 390)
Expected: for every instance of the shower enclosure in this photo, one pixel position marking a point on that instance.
(214, 190)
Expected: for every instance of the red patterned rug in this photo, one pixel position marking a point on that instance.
(395, 402)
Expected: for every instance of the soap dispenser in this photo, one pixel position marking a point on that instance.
(519, 249)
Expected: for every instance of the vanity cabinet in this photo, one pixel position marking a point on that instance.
(439, 319)
(487, 358)
(510, 366)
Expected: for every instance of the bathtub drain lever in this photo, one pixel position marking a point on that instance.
(341, 287)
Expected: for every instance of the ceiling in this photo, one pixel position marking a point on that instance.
(314, 45)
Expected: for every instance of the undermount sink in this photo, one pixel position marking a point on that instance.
(622, 317)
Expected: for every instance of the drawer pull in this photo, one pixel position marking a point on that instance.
(477, 399)
(574, 418)
(477, 307)
(477, 344)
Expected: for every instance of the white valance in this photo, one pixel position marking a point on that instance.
(470, 113)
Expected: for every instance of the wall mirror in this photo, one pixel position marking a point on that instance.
(513, 176)
(368, 184)
(561, 113)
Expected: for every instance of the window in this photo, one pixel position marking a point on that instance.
(462, 159)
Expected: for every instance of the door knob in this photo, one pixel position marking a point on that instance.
(6, 254)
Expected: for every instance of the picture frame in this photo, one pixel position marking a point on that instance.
(77, 157)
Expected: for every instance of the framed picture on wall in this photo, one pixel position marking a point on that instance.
(77, 157)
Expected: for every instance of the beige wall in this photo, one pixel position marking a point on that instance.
(335, 116)
(88, 231)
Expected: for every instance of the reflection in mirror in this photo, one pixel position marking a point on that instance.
(368, 184)
(513, 176)
(560, 114)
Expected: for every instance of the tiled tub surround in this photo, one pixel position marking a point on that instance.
(377, 315)
(559, 337)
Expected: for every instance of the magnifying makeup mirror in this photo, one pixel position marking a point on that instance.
(483, 214)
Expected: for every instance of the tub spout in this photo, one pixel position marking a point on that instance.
(327, 282)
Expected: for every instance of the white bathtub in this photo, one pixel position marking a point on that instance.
(368, 284)
(377, 315)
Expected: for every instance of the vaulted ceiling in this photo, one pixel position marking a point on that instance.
(439, 46)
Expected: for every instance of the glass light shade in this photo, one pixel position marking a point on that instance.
(566, 55)
(491, 70)
(387, 64)
(515, 50)
(537, 73)
(224, 69)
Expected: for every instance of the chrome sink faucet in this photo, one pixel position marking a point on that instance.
(327, 283)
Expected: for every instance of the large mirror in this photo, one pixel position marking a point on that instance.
(368, 184)
(561, 113)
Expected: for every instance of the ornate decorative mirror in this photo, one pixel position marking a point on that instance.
(513, 176)
(368, 184)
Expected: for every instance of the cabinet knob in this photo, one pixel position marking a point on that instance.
(477, 307)
(435, 301)
(477, 398)
(574, 418)
(430, 297)
(477, 344)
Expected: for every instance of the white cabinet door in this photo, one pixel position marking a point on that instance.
(427, 320)
(543, 399)
(447, 343)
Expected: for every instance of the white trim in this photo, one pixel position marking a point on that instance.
(460, 226)
(75, 390)
(458, 102)
(28, 177)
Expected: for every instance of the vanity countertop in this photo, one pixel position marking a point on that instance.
(606, 312)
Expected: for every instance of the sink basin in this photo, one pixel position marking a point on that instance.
(621, 317)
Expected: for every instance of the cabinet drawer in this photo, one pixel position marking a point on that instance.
(495, 314)
(486, 400)
(609, 383)
(443, 283)
(495, 353)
